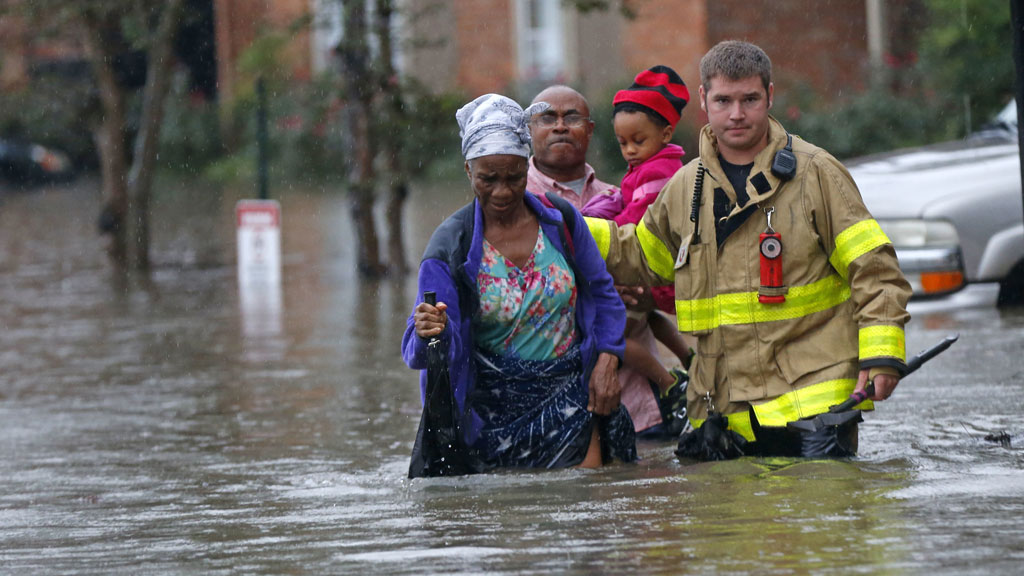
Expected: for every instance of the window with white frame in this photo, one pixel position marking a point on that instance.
(541, 42)
(329, 30)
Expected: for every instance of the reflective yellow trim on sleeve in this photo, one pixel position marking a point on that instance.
(854, 242)
(738, 423)
(808, 401)
(888, 341)
(659, 259)
(743, 307)
(601, 230)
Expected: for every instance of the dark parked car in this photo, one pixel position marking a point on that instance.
(25, 163)
(953, 210)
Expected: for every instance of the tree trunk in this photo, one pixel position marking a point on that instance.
(355, 57)
(394, 116)
(126, 191)
(100, 39)
(140, 178)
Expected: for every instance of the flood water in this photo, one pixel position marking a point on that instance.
(163, 428)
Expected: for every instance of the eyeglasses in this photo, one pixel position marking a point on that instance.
(570, 120)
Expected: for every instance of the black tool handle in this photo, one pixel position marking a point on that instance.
(430, 297)
(926, 355)
(855, 398)
(914, 364)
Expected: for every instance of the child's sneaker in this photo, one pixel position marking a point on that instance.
(672, 403)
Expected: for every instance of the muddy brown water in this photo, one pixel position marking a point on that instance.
(161, 428)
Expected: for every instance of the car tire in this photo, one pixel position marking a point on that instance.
(1011, 290)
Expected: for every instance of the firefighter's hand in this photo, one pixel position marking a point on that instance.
(885, 385)
(604, 385)
(430, 320)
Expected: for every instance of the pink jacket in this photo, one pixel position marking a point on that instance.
(640, 186)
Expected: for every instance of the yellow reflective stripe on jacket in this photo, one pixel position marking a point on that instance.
(743, 307)
(659, 259)
(738, 423)
(791, 406)
(854, 242)
(808, 401)
(878, 341)
(602, 232)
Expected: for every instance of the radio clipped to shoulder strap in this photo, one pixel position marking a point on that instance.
(772, 290)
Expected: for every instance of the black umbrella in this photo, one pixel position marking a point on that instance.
(713, 440)
(440, 449)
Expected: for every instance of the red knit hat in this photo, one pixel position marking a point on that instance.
(659, 89)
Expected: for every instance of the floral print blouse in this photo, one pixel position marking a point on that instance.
(527, 313)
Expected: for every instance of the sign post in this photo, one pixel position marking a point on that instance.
(259, 266)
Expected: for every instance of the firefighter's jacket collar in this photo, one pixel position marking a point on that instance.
(762, 183)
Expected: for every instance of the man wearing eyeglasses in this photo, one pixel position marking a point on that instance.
(559, 165)
(561, 136)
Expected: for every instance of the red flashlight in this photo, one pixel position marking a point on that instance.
(771, 264)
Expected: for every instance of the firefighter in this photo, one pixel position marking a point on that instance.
(791, 287)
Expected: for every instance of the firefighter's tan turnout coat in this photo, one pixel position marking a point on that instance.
(845, 297)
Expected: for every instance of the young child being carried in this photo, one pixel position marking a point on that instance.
(644, 119)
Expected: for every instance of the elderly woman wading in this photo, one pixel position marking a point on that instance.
(531, 318)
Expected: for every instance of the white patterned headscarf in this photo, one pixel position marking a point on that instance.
(493, 124)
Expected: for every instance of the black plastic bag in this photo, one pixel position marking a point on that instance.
(834, 437)
(440, 448)
(712, 441)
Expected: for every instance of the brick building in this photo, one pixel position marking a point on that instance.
(516, 46)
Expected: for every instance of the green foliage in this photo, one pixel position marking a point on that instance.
(190, 135)
(264, 58)
(967, 49)
(304, 132)
(307, 133)
(625, 7)
(604, 152)
(867, 122)
(429, 131)
(964, 51)
(307, 129)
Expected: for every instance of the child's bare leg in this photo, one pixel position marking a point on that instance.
(669, 335)
(639, 358)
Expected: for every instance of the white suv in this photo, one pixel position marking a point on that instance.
(953, 210)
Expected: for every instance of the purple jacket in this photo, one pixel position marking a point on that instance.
(449, 268)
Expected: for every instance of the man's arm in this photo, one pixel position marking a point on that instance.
(861, 253)
(645, 254)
